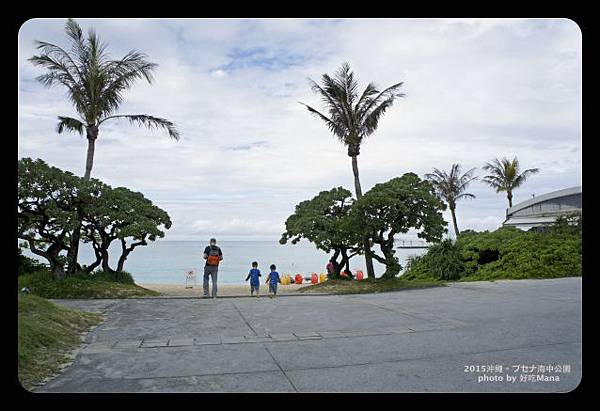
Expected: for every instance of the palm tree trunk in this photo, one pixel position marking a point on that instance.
(72, 255)
(509, 195)
(366, 243)
(452, 211)
(92, 135)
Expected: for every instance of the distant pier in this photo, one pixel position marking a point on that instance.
(411, 244)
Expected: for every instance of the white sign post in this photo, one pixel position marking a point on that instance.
(189, 277)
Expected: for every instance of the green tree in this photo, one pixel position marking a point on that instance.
(505, 175)
(46, 211)
(394, 207)
(119, 214)
(51, 202)
(452, 187)
(96, 86)
(351, 118)
(323, 221)
(26, 264)
(146, 223)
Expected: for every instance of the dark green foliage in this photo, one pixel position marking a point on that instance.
(82, 285)
(444, 261)
(27, 265)
(487, 256)
(323, 221)
(334, 222)
(46, 211)
(395, 207)
(53, 204)
(555, 252)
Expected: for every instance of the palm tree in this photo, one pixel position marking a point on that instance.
(352, 117)
(505, 175)
(451, 187)
(95, 84)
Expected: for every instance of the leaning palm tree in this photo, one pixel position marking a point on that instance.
(352, 117)
(451, 187)
(95, 84)
(505, 175)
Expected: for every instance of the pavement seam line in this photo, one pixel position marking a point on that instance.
(429, 358)
(244, 318)
(282, 370)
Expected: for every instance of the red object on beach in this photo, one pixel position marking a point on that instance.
(359, 275)
(298, 279)
(314, 278)
(343, 274)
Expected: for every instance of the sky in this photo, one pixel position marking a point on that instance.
(249, 152)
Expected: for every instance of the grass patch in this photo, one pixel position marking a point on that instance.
(47, 333)
(367, 286)
(83, 285)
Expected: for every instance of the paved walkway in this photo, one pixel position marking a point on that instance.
(407, 341)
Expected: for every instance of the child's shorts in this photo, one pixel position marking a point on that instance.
(254, 287)
(273, 288)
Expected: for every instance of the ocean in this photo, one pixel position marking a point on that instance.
(169, 261)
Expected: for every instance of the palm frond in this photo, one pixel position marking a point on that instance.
(149, 122)
(451, 186)
(505, 174)
(351, 116)
(333, 126)
(385, 95)
(69, 124)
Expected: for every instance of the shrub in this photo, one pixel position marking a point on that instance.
(26, 264)
(444, 261)
(505, 253)
(416, 269)
(82, 285)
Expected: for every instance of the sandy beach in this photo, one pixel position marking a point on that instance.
(179, 290)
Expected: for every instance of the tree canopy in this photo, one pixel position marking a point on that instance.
(397, 206)
(323, 220)
(52, 202)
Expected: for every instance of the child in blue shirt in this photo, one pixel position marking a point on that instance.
(253, 276)
(273, 279)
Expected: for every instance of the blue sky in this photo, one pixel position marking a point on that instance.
(475, 90)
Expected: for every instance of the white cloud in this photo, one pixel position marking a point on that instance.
(476, 89)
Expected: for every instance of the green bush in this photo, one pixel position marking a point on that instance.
(416, 269)
(26, 264)
(82, 285)
(505, 253)
(444, 261)
(122, 277)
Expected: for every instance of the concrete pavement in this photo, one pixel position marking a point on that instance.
(446, 339)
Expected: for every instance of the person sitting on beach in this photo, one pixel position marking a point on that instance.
(331, 267)
(253, 276)
(273, 279)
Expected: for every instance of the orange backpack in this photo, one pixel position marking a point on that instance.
(213, 256)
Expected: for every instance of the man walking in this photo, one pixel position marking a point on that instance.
(213, 256)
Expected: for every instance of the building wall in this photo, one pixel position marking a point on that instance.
(556, 205)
